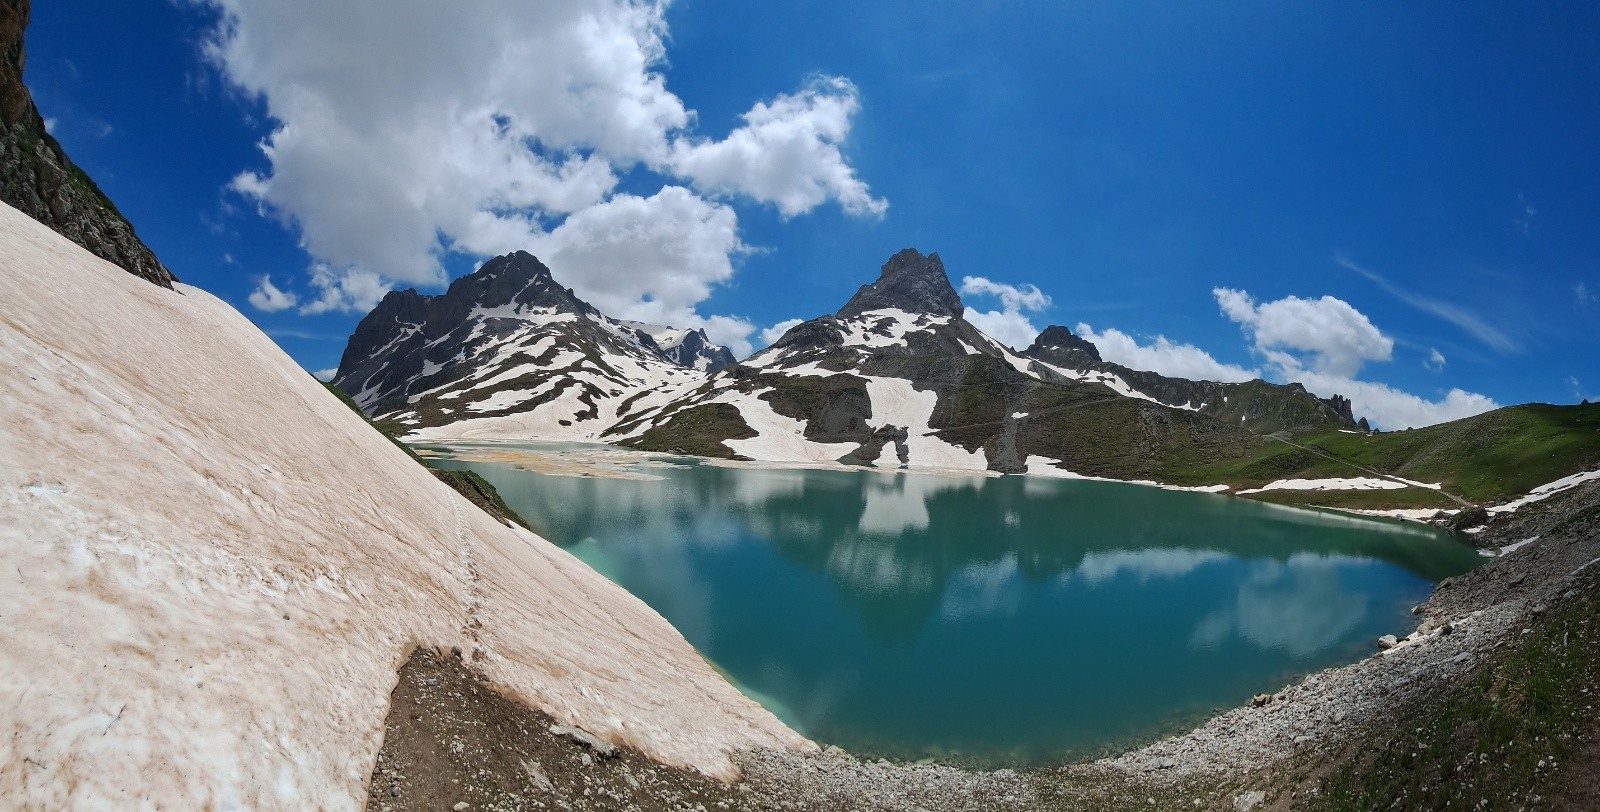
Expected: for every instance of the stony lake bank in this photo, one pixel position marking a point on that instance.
(1486, 706)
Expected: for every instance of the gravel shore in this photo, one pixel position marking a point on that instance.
(1215, 766)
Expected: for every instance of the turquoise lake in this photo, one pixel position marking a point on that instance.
(993, 620)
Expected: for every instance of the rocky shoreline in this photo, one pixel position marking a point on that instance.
(1236, 760)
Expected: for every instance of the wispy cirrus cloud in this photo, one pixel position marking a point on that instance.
(1473, 324)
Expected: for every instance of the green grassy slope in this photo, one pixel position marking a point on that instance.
(1482, 459)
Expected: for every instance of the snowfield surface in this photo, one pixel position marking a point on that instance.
(210, 570)
(778, 437)
(1355, 484)
(1547, 490)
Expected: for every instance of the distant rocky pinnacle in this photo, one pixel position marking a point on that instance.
(1058, 345)
(37, 178)
(911, 282)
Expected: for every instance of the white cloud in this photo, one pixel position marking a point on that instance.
(729, 331)
(353, 291)
(1323, 343)
(1012, 297)
(1581, 292)
(268, 298)
(1007, 325)
(1336, 338)
(1389, 408)
(406, 129)
(1475, 325)
(1163, 356)
(1435, 360)
(50, 125)
(776, 331)
(787, 153)
(650, 259)
(325, 375)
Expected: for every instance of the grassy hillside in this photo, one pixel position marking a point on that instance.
(1483, 459)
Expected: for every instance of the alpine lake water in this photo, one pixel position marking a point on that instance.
(999, 621)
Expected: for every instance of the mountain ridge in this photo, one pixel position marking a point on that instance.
(507, 348)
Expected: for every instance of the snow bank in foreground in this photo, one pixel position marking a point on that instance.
(210, 569)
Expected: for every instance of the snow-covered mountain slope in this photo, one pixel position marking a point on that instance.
(210, 569)
(507, 351)
(897, 378)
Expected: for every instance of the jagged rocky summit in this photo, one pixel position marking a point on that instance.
(38, 179)
(508, 350)
(895, 378)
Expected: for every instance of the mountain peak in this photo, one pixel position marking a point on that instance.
(517, 278)
(1059, 345)
(911, 282)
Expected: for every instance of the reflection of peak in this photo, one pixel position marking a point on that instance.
(911, 282)
(894, 506)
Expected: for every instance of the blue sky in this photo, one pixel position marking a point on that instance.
(1394, 201)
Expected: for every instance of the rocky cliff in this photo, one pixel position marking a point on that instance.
(37, 178)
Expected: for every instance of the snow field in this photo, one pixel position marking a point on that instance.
(210, 569)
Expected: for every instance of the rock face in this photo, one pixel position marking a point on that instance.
(507, 348)
(911, 282)
(37, 178)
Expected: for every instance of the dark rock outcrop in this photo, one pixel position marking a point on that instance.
(911, 282)
(38, 179)
(1060, 346)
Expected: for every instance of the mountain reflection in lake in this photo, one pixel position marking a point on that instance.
(1000, 619)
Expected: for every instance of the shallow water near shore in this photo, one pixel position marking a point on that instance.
(1008, 620)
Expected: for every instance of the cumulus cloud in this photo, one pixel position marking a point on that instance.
(776, 331)
(650, 259)
(402, 130)
(325, 375)
(1323, 343)
(1162, 356)
(354, 290)
(1335, 337)
(1435, 360)
(1008, 325)
(1389, 408)
(787, 153)
(266, 297)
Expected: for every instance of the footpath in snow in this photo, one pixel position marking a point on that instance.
(210, 570)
